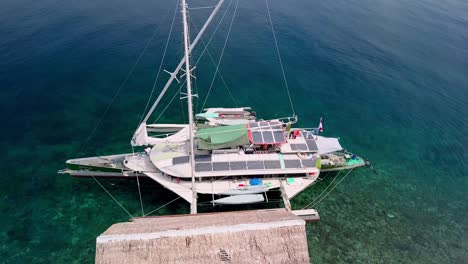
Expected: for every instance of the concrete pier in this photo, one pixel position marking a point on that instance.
(257, 236)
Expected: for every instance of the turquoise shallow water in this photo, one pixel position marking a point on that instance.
(388, 77)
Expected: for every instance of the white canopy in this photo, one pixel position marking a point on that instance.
(327, 145)
(141, 138)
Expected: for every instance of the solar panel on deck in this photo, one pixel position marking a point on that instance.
(272, 164)
(267, 136)
(203, 166)
(264, 124)
(309, 163)
(238, 165)
(308, 135)
(298, 146)
(180, 160)
(253, 125)
(311, 145)
(257, 137)
(255, 165)
(202, 157)
(278, 135)
(292, 164)
(220, 166)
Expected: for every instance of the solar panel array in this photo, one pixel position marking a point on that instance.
(264, 132)
(253, 165)
(309, 146)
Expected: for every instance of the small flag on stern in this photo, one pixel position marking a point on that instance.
(320, 127)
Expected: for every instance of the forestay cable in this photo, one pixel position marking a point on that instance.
(221, 56)
(219, 73)
(196, 63)
(161, 64)
(279, 57)
(117, 92)
(164, 205)
(104, 188)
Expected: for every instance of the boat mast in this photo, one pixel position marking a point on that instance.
(181, 63)
(193, 205)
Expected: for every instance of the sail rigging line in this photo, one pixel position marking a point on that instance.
(181, 63)
(324, 190)
(167, 106)
(279, 57)
(161, 64)
(344, 177)
(139, 193)
(321, 199)
(104, 188)
(164, 205)
(118, 91)
(221, 56)
(127, 77)
(200, 7)
(196, 63)
(138, 185)
(219, 73)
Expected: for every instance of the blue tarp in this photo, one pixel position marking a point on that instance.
(255, 181)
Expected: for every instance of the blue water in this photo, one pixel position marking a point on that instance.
(388, 77)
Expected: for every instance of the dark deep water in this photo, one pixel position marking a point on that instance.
(390, 78)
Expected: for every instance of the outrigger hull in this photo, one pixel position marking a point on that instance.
(341, 160)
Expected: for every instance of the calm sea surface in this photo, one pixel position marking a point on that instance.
(390, 78)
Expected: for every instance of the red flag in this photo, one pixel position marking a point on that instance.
(320, 128)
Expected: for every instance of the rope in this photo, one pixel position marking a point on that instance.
(198, 60)
(279, 56)
(162, 206)
(160, 65)
(201, 7)
(219, 73)
(139, 192)
(85, 144)
(104, 188)
(167, 106)
(222, 53)
(117, 93)
(344, 177)
(316, 198)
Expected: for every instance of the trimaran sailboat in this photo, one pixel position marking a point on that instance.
(226, 153)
